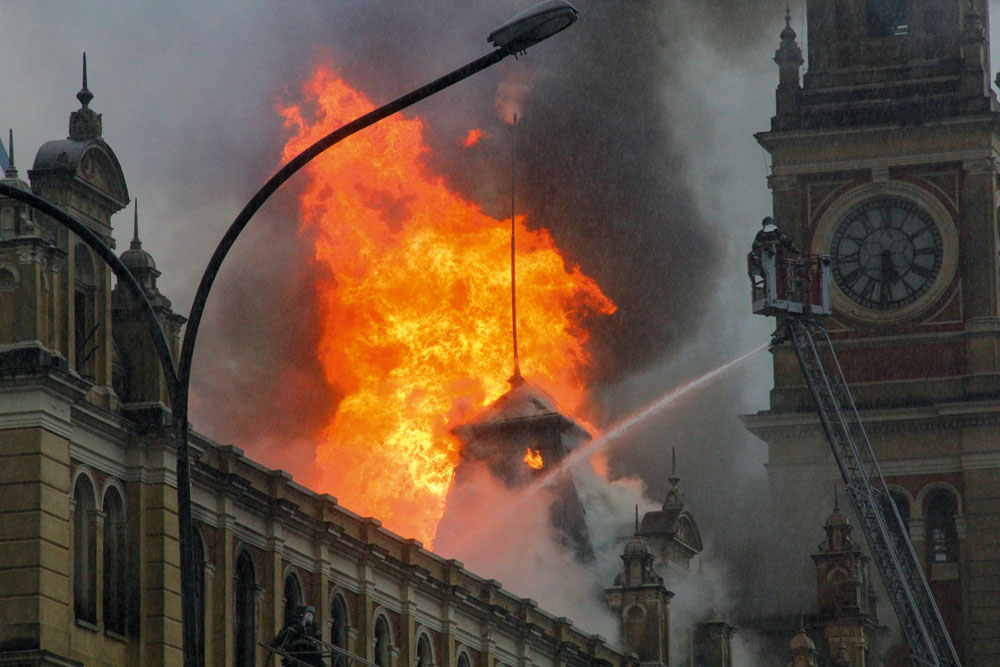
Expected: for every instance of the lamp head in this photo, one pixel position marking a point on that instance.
(533, 25)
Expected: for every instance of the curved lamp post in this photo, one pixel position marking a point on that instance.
(511, 38)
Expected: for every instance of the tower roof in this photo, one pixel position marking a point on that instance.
(135, 258)
(525, 402)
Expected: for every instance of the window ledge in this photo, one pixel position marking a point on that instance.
(86, 625)
(111, 634)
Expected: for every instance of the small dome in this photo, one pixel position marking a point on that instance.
(136, 258)
(835, 519)
(801, 642)
(636, 548)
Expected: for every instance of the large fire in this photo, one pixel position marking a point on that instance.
(413, 292)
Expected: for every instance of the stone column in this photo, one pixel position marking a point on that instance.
(224, 631)
(979, 256)
(787, 212)
(161, 593)
(209, 615)
(35, 523)
(95, 533)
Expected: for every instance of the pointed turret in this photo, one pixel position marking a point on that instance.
(84, 123)
(11, 170)
(642, 604)
(138, 378)
(672, 530)
(847, 604)
(789, 60)
(802, 649)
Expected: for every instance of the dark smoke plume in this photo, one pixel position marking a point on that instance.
(598, 166)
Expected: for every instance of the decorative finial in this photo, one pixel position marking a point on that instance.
(637, 518)
(673, 479)
(788, 14)
(11, 171)
(136, 243)
(85, 96)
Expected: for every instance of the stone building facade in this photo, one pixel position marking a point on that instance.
(885, 156)
(89, 564)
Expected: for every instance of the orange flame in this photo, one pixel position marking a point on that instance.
(413, 294)
(473, 137)
(534, 459)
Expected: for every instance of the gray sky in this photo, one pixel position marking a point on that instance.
(653, 106)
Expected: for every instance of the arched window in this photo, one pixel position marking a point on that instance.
(425, 658)
(246, 622)
(293, 597)
(338, 628)
(84, 553)
(463, 660)
(940, 509)
(382, 642)
(115, 572)
(635, 630)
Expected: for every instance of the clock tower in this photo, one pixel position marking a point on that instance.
(886, 155)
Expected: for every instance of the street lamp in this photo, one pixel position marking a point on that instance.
(512, 37)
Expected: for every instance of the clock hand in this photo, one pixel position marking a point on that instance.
(888, 275)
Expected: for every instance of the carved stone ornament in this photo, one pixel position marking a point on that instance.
(781, 183)
(986, 165)
(84, 124)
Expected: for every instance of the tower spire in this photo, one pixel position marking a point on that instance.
(673, 479)
(516, 378)
(136, 243)
(11, 171)
(85, 96)
(836, 499)
(84, 123)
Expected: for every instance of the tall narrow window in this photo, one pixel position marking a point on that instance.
(293, 597)
(84, 561)
(941, 507)
(114, 562)
(85, 323)
(338, 628)
(382, 642)
(246, 622)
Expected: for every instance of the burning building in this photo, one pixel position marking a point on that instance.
(90, 569)
(89, 562)
(520, 438)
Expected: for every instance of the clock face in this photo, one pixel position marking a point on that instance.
(887, 252)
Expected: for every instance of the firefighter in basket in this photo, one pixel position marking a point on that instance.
(770, 239)
(770, 236)
(298, 639)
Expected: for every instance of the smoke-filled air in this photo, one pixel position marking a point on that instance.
(366, 313)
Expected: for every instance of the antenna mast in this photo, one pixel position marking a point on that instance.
(516, 378)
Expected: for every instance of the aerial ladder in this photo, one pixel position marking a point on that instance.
(794, 287)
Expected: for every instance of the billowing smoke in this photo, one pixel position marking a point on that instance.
(636, 151)
(627, 128)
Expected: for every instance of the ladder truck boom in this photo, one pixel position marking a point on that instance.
(795, 288)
